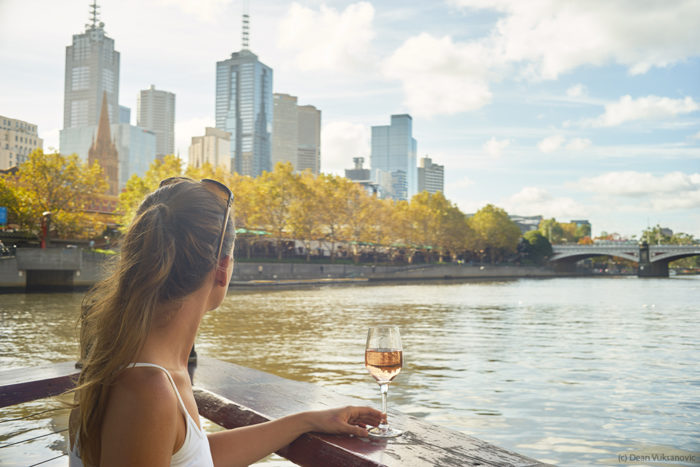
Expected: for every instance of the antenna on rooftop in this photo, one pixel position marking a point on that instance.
(246, 25)
(94, 16)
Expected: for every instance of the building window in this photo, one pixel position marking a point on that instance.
(78, 113)
(80, 78)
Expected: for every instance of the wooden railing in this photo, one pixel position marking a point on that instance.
(233, 396)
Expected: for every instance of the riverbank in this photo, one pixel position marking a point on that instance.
(70, 269)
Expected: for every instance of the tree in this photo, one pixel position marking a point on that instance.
(275, 192)
(357, 215)
(331, 214)
(62, 185)
(551, 229)
(494, 232)
(537, 247)
(304, 223)
(380, 224)
(137, 187)
(456, 232)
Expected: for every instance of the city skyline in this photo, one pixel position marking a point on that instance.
(570, 110)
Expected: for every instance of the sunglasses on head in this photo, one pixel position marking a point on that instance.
(219, 190)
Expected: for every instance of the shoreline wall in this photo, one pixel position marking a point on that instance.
(90, 267)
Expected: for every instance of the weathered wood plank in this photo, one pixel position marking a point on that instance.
(232, 396)
(27, 384)
(260, 396)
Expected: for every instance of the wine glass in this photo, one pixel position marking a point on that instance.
(383, 359)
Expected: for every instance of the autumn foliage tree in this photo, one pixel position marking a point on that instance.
(62, 185)
(494, 233)
(284, 205)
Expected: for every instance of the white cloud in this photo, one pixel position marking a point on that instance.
(494, 147)
(328, 39)
(553, 37)
(696, 135)
(532, 201)
(556, 142)
(578, 144)
(641, 184)
(551, 143)
(651, 107)
(578, 90)
(340, 142)
(440, 76)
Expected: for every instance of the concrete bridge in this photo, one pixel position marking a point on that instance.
(652, 259)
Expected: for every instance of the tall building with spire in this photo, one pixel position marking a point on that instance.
(91, 78)
(244, 108)
(92, 69)
(104, 151)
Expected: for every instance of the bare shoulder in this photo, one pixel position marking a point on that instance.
(144, 387)
(141, 418)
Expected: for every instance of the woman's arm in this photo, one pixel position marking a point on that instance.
(243, 446)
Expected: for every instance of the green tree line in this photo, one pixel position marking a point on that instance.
(334, 210)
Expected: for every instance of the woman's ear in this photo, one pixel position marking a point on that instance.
(221, 275)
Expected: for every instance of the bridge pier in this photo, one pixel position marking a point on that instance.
(656, 269)
(565, 267)
(647, 268)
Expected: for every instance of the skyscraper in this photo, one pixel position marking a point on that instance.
(309, 140)
(296, 134)
(244, 108)
(92, 75)
(393, 157)
(431, 177)
(156, 112)
(92, 68)
(285, 129)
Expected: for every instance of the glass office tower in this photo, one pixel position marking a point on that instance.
(244, 108)
(393, 154)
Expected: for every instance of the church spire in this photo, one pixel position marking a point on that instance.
(103, 131)
(104, 151)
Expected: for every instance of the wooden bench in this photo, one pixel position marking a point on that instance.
(232, 396)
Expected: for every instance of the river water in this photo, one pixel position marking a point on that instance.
(571, 371)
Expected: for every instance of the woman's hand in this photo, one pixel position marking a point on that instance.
(345, 420)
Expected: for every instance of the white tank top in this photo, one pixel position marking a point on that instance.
(194, 452)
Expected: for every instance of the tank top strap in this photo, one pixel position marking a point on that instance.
(172, 381)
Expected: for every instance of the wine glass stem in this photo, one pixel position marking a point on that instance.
(384, 388)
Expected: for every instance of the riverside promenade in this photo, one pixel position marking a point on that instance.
(67, 268)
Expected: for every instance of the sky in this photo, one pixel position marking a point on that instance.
(573, 109)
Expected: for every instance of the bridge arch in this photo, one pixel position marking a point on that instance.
(652, 259)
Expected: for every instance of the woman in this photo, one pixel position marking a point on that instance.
(134, 400)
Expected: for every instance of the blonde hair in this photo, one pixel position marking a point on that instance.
(166, 254)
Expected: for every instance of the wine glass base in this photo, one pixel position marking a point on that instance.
(384, 432)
